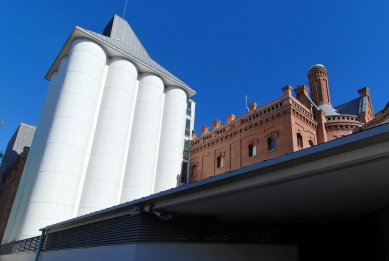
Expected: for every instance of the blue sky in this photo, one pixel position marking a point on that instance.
(222, 49)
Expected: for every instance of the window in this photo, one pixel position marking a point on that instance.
(219, 162)
(271, 143)
(184, 172)
(311, 143)
(252, 150)
(187, 128)
(186, 149)
(300, 140)
(189, 108)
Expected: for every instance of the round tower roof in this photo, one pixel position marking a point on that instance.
(317, 65)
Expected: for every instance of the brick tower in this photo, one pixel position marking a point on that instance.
(318, 83)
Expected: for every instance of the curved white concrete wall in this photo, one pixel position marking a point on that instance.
(142, 152)
(102, 181)
(55, 190)
(172, 139)
(35, 154)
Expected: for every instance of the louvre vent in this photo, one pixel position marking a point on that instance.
(148, 228)
(120, 230)
(21, 246)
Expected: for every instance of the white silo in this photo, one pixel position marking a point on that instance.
(102, 181)
(142, 152)
(172, 139)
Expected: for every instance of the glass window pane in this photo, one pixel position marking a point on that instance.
(189, 108)
(271, 144)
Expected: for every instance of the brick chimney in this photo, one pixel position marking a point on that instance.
(252, 106)
(230, 118)
(287, 91)
(301, 90)
(204, 130)
(368, 113)
(216, 124)
(364, 92)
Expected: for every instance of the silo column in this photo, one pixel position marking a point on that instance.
(144, 141)
(172, 139)
(104, 173)
(55, 191)
(36, 151)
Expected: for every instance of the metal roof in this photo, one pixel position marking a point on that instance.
(119, 29)
(328, 109)
(353, 107)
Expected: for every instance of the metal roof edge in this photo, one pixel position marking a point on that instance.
(56, 62)
(84, 33)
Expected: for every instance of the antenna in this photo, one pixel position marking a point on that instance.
(247, 107)
(125, 7)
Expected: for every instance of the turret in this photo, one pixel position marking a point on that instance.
(318, 83)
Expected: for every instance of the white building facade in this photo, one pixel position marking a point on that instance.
(113, 129)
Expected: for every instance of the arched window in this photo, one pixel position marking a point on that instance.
(311, 143)
(219, 162)
(193, 173)
(252, 150)
(300, 140)
(271, 143)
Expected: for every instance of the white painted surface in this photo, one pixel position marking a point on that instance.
(103, 176)
(90, 142)
(192, 117)
(142, 156)
(171, 251)
(35, 154)
(127, 146)
(172, 139)
(55, 189)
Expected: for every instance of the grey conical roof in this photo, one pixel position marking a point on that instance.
(120, 30)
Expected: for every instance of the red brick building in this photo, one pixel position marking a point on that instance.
(8, 187)
(285, 125)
